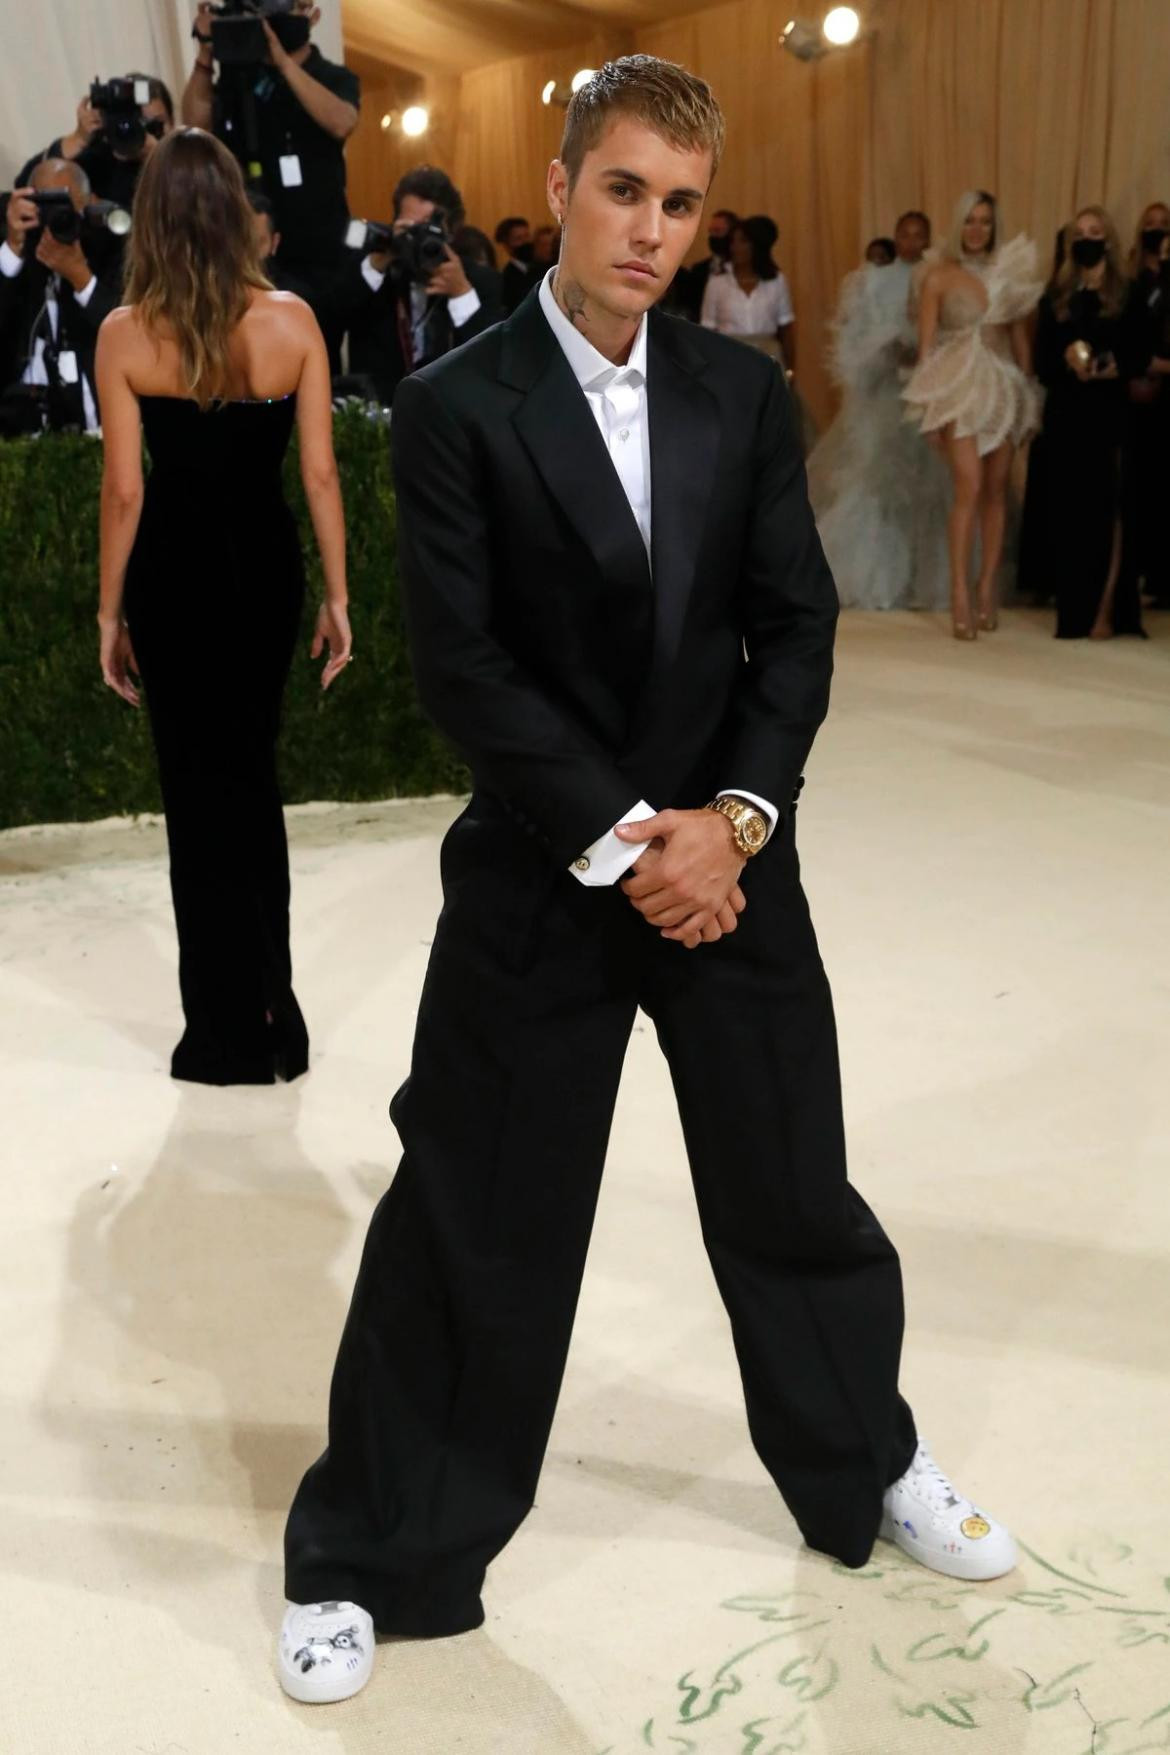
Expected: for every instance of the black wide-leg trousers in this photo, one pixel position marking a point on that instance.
(454, 1348)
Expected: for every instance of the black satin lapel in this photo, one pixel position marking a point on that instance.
(684, 446)
(561, 436)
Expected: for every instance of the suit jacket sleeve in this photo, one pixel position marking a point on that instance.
(491, 309)
(551, 774)
(790, 615)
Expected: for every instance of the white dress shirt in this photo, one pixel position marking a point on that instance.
(36, 371)
(459, 309)
(619, 403)
(732, 311)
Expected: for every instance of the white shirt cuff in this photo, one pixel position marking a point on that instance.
(761, 804)
(10, 263)
(462, 309)
(371, 276)
(609, 857)
(83, 297)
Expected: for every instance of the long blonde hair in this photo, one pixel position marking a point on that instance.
(192, 256)
(951, 248)
(1067, 276)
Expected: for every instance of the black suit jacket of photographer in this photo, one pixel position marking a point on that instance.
(375, 349)
(574, 678)
(21, 300)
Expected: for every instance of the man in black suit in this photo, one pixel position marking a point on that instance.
(397, 324)
(691, 283)
(53, 297)
(616, 601)
(517, 276)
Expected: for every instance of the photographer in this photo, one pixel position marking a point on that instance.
(112, 144)
(282, 107)
(416, 298)
(56, 285)
(268, 241)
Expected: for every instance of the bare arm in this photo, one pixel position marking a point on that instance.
(1022, 345)
(196, 105)
(122, 489)
(787, 337)
(323, 492)
(121, 500)
(928, 314)
(329, 112)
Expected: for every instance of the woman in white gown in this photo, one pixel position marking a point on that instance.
(880, 495)
(973, 387)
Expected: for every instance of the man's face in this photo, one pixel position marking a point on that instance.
(413, 211)
(520, 234)
(637, 200)
(267, 240)
(154, 115)
(911, 240)
(719, 226)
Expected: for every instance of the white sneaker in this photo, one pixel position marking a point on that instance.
(325, 1651)
(932, 1522)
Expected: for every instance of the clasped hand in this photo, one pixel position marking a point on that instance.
(686, 883)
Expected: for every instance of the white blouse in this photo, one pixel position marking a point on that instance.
(729, 309)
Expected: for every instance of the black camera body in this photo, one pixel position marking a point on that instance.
(416, 251)
(237, 31)
(57, 215)
(120, 103)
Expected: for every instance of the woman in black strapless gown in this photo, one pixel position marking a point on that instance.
(210, 608)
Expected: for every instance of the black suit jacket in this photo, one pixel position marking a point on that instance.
(374, 346)
(529, 600)
(516, 283)
(21, 299)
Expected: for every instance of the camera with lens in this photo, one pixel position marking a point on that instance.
(120, 103)
(61, 220)
(417, 251)
(237, 31)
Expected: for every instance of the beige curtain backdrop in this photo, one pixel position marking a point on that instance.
(1050, 103)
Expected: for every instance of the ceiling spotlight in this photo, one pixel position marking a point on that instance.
(803, 40)
(582, 77)
(556, 93)
(415, 120)
(387, 120)
(546, 96)
(841, 26)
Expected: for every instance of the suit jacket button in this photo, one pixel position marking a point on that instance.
(581, 864)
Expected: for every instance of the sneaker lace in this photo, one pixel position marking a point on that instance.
(933, 1486)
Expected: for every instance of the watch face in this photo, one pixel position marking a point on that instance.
(755, 832)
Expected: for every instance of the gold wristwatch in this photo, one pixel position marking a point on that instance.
(750, 824)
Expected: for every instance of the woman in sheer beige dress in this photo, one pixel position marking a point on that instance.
(972, 391)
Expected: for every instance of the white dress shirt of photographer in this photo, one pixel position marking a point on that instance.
(65, 262)
(460, 306)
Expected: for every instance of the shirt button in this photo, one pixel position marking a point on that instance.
(625, 433)
(581, 864)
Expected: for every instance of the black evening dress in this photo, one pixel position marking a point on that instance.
(1074, 506)
(213, 597)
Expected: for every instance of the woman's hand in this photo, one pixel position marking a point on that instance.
(332, 630)
(117, 658)
(1078, 359)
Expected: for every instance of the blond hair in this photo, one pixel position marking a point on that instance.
(1067, 277)
(951, 248)
(192, 256)
(677, 105)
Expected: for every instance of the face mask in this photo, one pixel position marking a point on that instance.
(523, 252)
(1087, 252)
(719, 246)
(292, 33)
(1152, 239)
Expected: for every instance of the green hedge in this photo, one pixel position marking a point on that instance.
(70, 751)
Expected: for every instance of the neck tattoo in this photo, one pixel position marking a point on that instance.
(570, 296)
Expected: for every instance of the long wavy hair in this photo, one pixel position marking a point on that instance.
(952, 245)
(1068, 276)
(192, 257)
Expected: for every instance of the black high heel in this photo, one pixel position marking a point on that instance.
(288, 1035)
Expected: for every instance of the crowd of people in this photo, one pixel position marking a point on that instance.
(982, 354)
(963, 345)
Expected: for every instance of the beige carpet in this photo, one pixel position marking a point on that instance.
(985, 837)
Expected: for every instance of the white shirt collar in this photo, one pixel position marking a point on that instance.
(591, 369)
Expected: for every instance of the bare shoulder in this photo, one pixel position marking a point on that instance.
(283, 310)
(119, 327)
